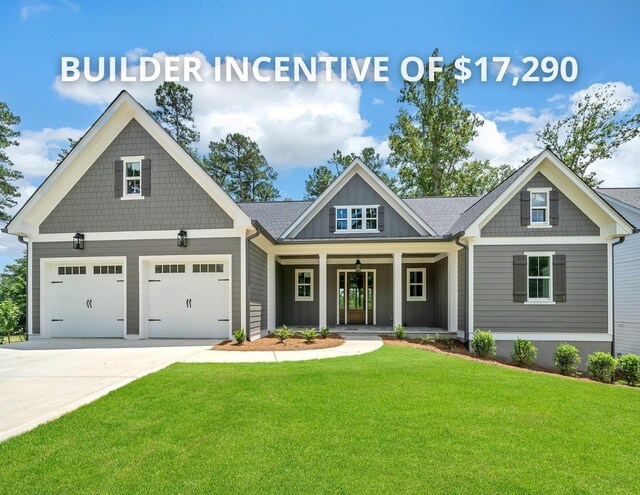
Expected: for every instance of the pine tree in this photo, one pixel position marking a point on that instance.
(8, 175)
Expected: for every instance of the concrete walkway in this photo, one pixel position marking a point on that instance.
(41, 380)
(353, 346)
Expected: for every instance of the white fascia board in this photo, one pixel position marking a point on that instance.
(82, 157)
(357, 167)
(362, 249)
(586, 199)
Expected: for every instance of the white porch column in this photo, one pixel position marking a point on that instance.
(452, 279)
(397, 289)
(271, 291)
(322, 297)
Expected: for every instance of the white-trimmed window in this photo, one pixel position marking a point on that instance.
(132, 177)
(539, 207)
(416, 284)
(539, 277)
(357, 218)
(304, 285)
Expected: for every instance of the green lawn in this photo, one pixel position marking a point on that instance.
(398, 420)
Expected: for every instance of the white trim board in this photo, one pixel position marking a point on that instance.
(554, 337)
(140, 235)
(539, 240)
(359, 168)
(364, 260)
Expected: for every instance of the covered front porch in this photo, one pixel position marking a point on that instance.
(367, 293)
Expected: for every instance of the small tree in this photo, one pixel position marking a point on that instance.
(175, 114)
(9, 318)
(8, 175)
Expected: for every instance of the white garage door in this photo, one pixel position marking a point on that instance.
(86, 300)
(188, 300)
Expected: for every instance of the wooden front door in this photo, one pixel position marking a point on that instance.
(356, 297)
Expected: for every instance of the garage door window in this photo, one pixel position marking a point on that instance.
(72, 270)
(107, 269)
(208, 268)
(170, 268)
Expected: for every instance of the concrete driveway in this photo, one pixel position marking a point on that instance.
(43, 379)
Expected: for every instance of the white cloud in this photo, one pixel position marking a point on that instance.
(294, 123)
(556, 97)
(621, 91)
(498, 147)
(72, 6)
(134, 54)
(31, 9)
(377, 101)
(622, 169)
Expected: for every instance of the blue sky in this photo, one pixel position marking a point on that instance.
(300, 127)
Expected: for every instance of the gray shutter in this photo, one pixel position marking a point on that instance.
(332, 219)
(146, 177)
(118, 179)
(519, 278)
(553, 207)
(560, 278)
(525, 207)
(381, 218)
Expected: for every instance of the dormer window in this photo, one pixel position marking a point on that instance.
(132, 177)
(356, 219)
(539, 207)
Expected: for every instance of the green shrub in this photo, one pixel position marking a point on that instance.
(399, 331)
(449, 343)
(524, 353)
(308, 335)
(629, 368)
(324, 332)
(283, 333)
(601, 366)
(483, 343)
(240, 335)
(566, 358)
(429, 339)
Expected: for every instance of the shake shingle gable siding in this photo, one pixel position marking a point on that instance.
(572, 221)
(177, 201)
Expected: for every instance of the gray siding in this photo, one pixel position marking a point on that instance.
(258, 308)
(433, 311)
(462, 290)
(279, 294)
(546, 348)
(572, 221)
(586, 308)
(357, 192)
(299, 313)
(133, 250)
(626, 259)
(176, 200)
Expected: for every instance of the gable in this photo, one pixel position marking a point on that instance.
(177, 201)
(356, 191)
(572, 221)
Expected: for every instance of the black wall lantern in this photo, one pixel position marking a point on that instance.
(78, 241)
(182, 238)
(358, 266)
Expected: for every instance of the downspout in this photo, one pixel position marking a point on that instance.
(456, 238)
(258, 231)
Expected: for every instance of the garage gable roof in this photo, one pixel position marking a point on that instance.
(112, 121)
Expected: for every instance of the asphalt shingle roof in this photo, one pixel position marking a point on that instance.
(275, 216)
(441, 213)
(629, 195)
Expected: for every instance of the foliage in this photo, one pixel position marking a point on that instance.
(597, 127)
(601, 366)
(566, 358)
(8, 175)
(429, 339)
(283, 333)
(476, 178)
(431, 133)
(629, 368)
(175, 114)
(322, 175)
(449, 343)
(308, 335)
(240, 335)
(13, 286)
(237, 164)
(9, 318)
(399, 331)
(65, 151)
(324, 332)
(524, 353)
(483, 343)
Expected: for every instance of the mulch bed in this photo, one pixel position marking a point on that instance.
(270, 343)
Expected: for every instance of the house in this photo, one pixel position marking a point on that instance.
(129, 238)
(626, 270)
